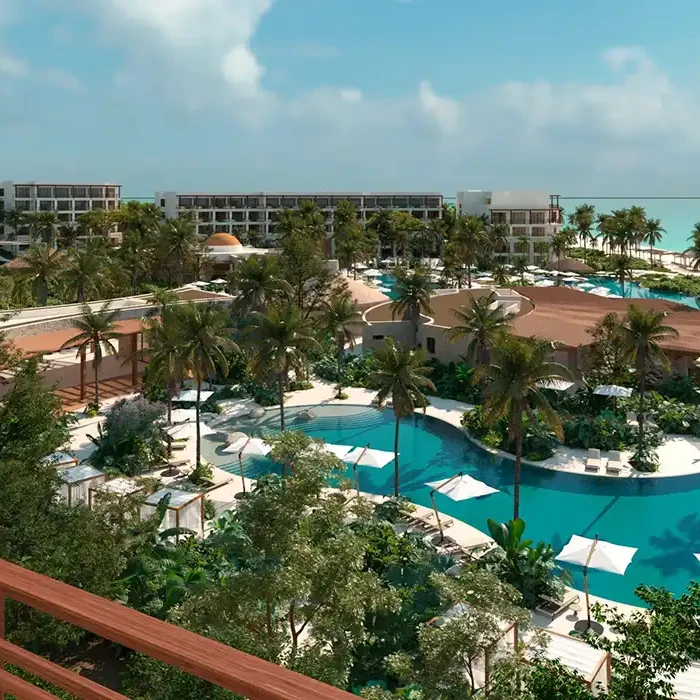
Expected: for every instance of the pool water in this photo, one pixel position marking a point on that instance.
(657, 515)
(634, 291)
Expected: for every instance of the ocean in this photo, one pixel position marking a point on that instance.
(678, 216)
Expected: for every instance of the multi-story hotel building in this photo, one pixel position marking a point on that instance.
(69, 201)
(531, 216)
(255, 213)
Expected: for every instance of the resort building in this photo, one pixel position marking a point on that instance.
(558, 314)
(224, 249)
(68, 201)
(532, 218)
(251, 216)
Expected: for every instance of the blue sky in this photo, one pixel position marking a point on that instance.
(580, 98)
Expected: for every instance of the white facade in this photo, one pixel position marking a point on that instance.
(533, 215)
(252, 215)
(69, 201)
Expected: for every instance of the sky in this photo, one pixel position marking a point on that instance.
(583, 99)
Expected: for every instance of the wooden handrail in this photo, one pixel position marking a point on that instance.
(21, 689)
(205, 658)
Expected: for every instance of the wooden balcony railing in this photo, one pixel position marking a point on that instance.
(217, 663)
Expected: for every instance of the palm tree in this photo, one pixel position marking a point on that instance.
(694, 248)
(498, 237)
(383, 223)
(98, 221)
(521, 367)
(622, 270)
(653, 235)
(470, 240)
(204, 337)
(259, 282)
(500, 274)
(413, 297)
(16, 219)
(164, 364)
(97, 330)
(46, 226)
(163, 298)
(428, 237)
(520, 268)
(339, 316)
(401, 376)
(44, 264)
(86, 273)
(582, 219)
(279, 341)
(288, 223)
(606, 230)
(180, 238)
(560, 244)
(67, 235)
(481, 325)
(643, 331)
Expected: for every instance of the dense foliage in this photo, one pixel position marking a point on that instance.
(456, 381)
(679, 284)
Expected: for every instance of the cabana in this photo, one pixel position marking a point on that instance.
(60, 460)
(77, 481)
(120, 487)
(185, 509)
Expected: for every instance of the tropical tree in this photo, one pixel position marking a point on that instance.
(560, 244)
(605, 225)
(429, 237)
(518, 377)
(406, 225)
(470, 239)
(16, 219)
(694, 249)
(653, 235)
(481, 325)
(67, 235)
(340, 315)
(520, 267)
(498, 238)
(98, 221)
(164, 298)
(205, 339)
(401, 375)
(46, 225)
(582, 219)
(98, 330)
(136, 257)
(180, 239)
(499, 272)
(383, 223)
(86, 272)
(643, 332)
(259, 282)
(413, 297)
(622, 269)
(279, 340)
(44, 264)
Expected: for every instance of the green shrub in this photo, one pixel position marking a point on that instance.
(261, 393)
(455, 381)
(300, 385)
(92, 410)
(209, 509)
(680, 388)
(602, 262)
(606, 431)
(682, 284)
(357, 369)
(201, 473)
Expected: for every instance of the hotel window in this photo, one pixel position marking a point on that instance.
(538, 231)
(81, 205)
(184, 202)
(2, 192)
(289, 202)
(98, 204)
(96, 193)
(22, 191)
(46, 205)
(519, 231)
(377, 337)
(433, 202)
(80, 192)
(162, 203)
(537, 217)
(61, 192)
(499, 217)
(430, 345)
(518, 218)
(274, 202)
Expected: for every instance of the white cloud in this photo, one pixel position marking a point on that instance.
(351, 95)
(62, 79)
(12, 66)
(442, 111)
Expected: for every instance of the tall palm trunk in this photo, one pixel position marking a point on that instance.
(640, 411)
(396, 458)
(281, 397)
(197, 435)
(181, 272)
(341, 347)
(469, 276)
(518, 429)
(96, 370)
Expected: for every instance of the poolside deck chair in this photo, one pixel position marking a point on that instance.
(593, 460)
(552, 608)
(614, 463)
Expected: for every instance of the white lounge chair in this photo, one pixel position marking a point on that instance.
(614, 463)
(551, 607)
(593, 460)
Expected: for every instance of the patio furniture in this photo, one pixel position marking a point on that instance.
(593, 460)
(614, 463)
(552, 608)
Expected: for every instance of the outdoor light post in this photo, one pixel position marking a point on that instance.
(354, 469)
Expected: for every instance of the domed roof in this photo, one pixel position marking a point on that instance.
(219, 240)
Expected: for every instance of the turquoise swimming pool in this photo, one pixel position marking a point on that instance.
(657, 515)
(634, 291)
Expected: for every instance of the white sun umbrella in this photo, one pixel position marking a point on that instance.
(531, 268)
(247, 446)
(544, 283)
(367, 457)
(596, 554)
(183, 415)
(555, 385)
(372, 273)
(599, 291)
(360, 266)
(541, 271)
(384, 290)
(459, 487)
(613, 390)
(586, 285)
(185, 431)
(190, 396)
(200, 283)
(556, 273)
(60, 460)
(218, 281)
(339, 451)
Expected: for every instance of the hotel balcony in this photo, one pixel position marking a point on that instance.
(204, 658)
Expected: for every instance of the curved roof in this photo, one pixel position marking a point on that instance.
(222, 239)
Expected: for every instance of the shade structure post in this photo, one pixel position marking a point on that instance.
(432, 500)
(585, 579)
(354, 469)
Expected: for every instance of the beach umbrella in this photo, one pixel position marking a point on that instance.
(372, 273)
(190, 396)
(459, 487)
(597, 554)
(340, 451)
(384, 290)
(183, 415)
(360, 266)
(199, 283)
(555, 385)
(586, 285)
(531, 268)
(249, 446)
(367, 457)
(613, 390)
(218, 281)
(185, 431)
(544, 283)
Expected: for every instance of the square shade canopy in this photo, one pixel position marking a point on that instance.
(121, 486)
(183, 415)
(372, 273)
(81, 472)
(613, 558)
(556, 385)
(366, 457)
(190, 396)
(462, 488)
(613, 390)
(60, 460)
(178, 498)
(340, 451)
(218, 281)
(184, 431)
(248, 446)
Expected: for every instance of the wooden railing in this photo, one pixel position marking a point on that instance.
(212, 661)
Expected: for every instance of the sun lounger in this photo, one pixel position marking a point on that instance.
(614, 463)
(551, 607)
(593, 460)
